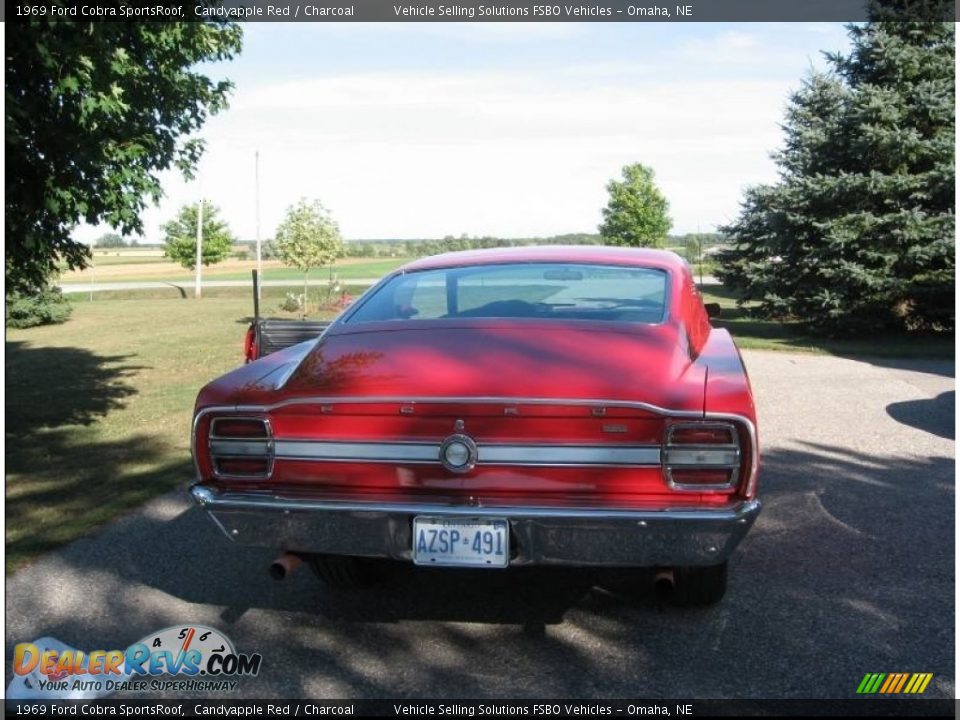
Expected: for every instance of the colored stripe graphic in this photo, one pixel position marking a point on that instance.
(903, 681)
(870, 683)
(894, 683)
(891, 679)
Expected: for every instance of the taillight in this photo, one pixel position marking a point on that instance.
(703, 434)
(699, 457)
(250, 344)
(241, 448)
(239, 428)
(242, 466)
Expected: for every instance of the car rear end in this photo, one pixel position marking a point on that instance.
(577, 483)
(486, 442)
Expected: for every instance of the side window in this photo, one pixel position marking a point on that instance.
(428, 296)
(404, 305)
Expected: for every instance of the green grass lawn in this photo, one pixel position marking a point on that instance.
(773, 335)
(102, 257)
(98, 409)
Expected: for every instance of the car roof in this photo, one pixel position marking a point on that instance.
(588, 254)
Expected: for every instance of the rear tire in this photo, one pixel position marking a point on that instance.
(344, 571)
(699, 586)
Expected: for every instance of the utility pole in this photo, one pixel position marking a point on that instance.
(256, 183)
(196, 287)
(700, 254)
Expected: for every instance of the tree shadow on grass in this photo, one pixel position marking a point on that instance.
(50, 387)
(64, 478)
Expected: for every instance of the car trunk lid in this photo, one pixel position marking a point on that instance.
(629, 363)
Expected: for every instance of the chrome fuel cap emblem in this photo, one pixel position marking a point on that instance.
(458, 453)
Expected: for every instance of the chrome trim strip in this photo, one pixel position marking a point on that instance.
(216, 500)
(701, 456)
(480, 400)
(558, 455)
(239, 448)
(357, 451)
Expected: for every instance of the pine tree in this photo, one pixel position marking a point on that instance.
(859, 231)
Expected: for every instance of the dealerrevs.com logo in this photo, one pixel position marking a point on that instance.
(196, 657)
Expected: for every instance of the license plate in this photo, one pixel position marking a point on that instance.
(461, 542)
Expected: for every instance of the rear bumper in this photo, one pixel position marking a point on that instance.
(539, 535)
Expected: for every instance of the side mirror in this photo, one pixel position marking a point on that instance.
(713, 310)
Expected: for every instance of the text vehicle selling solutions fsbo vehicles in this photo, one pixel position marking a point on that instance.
(552, 406)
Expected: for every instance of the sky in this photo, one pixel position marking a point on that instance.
(422, 130)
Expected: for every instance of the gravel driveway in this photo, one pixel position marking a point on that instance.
(849, 570)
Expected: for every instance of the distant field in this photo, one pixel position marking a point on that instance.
(162, 270)
(128, 257)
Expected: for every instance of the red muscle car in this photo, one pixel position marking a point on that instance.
(495, 408)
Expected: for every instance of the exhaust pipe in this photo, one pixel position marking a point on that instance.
(284, 565)
(663, 582)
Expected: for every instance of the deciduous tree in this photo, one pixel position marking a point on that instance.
(308, 238)
(109, 240)
(180, 236)
(94, 112)
(637, 212)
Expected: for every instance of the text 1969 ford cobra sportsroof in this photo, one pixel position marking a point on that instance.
(547, 405)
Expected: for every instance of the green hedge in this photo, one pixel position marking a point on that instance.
(45, 307)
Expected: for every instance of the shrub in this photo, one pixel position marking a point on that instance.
(293, 303)
(46, 307)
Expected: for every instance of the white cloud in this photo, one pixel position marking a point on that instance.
(511, 152)
(725, 48)
(736, 41)
(407, 155)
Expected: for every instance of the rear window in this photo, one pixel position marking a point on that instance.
(605, 293)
